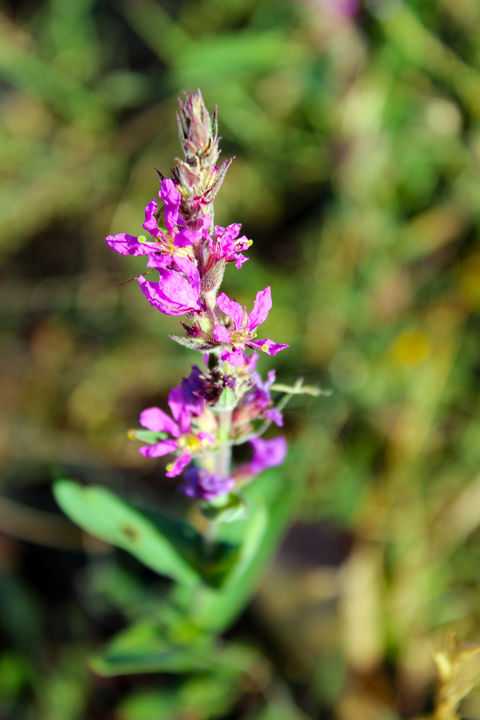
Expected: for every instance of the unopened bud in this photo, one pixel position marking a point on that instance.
(198, 176)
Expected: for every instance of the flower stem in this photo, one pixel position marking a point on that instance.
(224, 455)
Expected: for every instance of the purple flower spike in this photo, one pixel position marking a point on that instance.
(177, 292)
(267, 454)
(244, 327)
(202, 485)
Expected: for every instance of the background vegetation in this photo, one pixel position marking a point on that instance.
(356, 131)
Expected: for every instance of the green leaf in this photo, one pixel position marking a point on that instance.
(169, 643)
(153, 646)
(204, 696)
(163, 544)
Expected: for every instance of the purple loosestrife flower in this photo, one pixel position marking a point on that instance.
(172, 241)
(228, 246)
(256, 403)
(244, 325)
(185, 441)
(227, 402)
(178, 290)
(202, 485)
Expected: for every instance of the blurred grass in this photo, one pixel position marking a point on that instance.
(357, 143)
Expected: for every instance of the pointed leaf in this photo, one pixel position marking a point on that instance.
(154, 540)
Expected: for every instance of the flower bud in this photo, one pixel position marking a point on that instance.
(198, 176)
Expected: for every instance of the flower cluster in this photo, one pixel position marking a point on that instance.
(226, 403)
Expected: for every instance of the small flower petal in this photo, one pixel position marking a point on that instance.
(177, 467)
(190, 270)
(231, 308)
(275, 416)
(150, 224)
(173, 295)
(261, 308)
(171, 197)
(267, 346)
(157, 420)
(202, 485)
(187, 237)
(235, 357)
(221, 334)
(161, 448)
(125, 244)
(267, 453)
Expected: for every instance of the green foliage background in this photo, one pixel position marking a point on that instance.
(357, 144)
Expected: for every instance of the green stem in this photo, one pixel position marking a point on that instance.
(222, 467)
(224, 455)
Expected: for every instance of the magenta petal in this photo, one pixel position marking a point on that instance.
(232, 309)
(180, 410)
(178, 465)
(125, 244)
(267, 453)
(271, 377)
(275, 416)
(229, 233)
(206, 436)
(159, 261)
(261, 308)
(206, 222)
(190, 270)
(267, 346)
(239, 260)
(221, 334)
(150, 224)
(161, 448)
(171, 197)
(187, 237)
(173, 295)
(236, 357)
(155, 419)
(202, 485)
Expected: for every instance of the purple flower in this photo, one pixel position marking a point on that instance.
(266, 454)
(228, 245)
(178, 290)
(202, 485)
(244, 327)
(166, 243)
(183, 440)
(257, 403)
